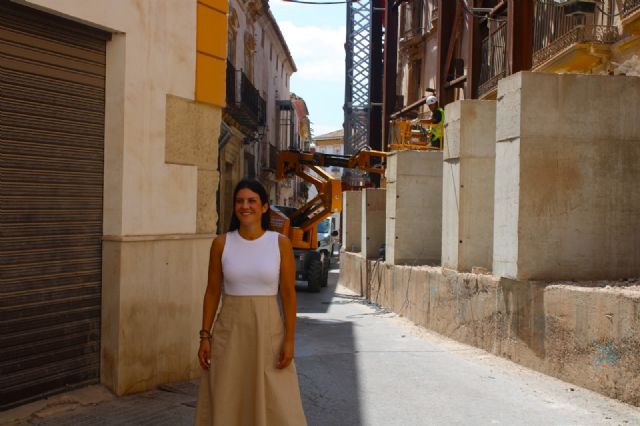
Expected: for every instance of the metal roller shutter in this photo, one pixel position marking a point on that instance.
(52, 74)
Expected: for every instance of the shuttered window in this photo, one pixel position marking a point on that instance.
(52, 76)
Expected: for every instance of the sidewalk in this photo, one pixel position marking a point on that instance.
(359, 364)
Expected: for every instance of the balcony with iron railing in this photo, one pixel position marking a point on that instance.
(244, 103)
(493, 60)
(413, 28)
(630, 7)
(566, 43)
(630, 15)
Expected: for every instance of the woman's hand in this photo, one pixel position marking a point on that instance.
(204, 354)
(286, 354)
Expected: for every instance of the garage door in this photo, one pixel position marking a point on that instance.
(52, 74)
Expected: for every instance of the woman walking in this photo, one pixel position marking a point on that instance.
(251, 378)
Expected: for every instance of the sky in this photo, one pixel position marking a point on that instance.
(315, 35)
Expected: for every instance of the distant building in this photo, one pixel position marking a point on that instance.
(259, 118)
(329, 143)
(446, 49)
(293, 192)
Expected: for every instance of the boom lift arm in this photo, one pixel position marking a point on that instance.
(300, 225)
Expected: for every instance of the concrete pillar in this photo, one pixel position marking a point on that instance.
(352, 221)
(374, 211)
(567, 199)
(414, 208)
(467, 189)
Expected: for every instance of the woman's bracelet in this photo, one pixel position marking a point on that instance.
(205, 334)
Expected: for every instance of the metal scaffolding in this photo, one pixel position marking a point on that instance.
(358, 59)
(357, 79)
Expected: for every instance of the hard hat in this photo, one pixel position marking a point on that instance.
(431, 100)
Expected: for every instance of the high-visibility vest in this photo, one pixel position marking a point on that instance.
(436, 131)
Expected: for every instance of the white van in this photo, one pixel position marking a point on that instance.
(327, 242)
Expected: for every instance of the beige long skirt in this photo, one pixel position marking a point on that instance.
(243, 385)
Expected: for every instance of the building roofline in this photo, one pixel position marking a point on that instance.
(276, 27)
(336, 134)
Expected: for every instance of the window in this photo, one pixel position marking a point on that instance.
(414, 93)
(285, 135)
(270, 52)
(417, 12)
(249, 166)
(249, 49)
(231, 46)
(248, 64)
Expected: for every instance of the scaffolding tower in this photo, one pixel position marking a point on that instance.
(357, 82)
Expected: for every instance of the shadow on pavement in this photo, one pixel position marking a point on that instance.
(328, 374)
(309, 302)
(325, 358)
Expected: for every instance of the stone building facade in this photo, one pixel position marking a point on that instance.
(259, 118)
(114, 111)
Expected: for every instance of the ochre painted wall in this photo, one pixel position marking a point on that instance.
(211, 52)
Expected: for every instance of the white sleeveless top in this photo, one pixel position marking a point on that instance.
(251, 267)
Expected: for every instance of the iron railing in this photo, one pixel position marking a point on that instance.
(554, 31)
(249, 95)
(493, 66)
(629, 7)
(243, 99)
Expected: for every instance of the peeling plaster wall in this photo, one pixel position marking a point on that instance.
(588, 335)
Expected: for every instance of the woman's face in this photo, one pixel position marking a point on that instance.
(248, 207)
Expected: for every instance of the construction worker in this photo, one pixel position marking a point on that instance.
(437, 117)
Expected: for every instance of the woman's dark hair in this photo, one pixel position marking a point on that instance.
(254, 186)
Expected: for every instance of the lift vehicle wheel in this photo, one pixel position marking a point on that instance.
(326, 265)
(315, 272)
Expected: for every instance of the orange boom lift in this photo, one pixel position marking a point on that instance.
(300, 224)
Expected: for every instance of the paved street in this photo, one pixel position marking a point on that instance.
(360, 365)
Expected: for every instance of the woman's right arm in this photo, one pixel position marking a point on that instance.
(211, 299)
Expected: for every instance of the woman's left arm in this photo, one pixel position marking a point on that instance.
(288, 296)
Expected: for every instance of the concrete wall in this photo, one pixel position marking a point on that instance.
(414, 207)
(352, 221)
(567, 199)
(373, 221)
(467, 191)
(588, 335)
(160, 180)
(152, 310)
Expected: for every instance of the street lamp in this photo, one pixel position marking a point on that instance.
(257, 134)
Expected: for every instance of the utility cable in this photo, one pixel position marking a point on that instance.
(321, 3)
